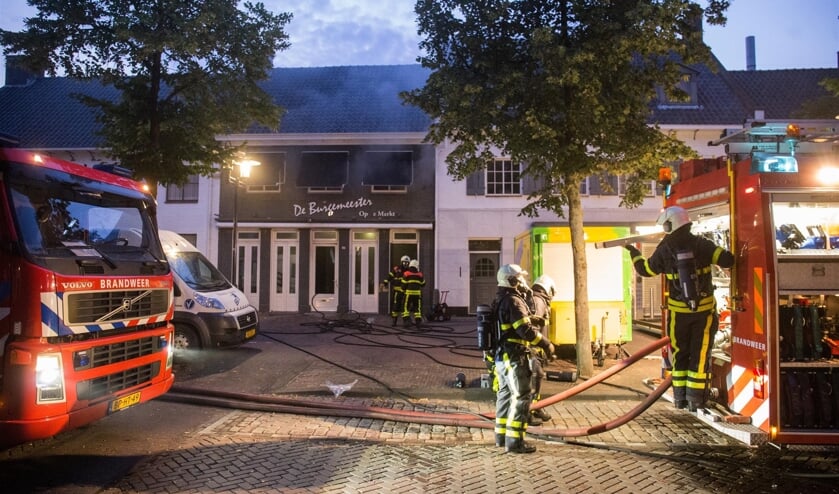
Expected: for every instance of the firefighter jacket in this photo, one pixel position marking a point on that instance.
(542, 310)
(514, 318)
(394, 278)
(413, 281)
(663, 260)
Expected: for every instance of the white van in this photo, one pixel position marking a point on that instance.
(209, 311)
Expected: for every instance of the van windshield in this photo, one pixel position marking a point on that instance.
(197, 271)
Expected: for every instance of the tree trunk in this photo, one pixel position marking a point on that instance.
(585, 365)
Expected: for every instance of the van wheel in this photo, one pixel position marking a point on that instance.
(186, 339)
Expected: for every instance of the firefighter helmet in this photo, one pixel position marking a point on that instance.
(511, 276)
(673, 218)
(547, 283)
(413, 264)
(405, 259)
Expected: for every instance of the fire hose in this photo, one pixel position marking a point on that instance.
(245, 401)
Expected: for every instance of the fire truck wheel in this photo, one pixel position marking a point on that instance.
(186, 338)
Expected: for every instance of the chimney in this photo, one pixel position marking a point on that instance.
(16, 73)
(751, 64)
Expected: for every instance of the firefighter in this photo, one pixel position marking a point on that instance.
(512, 359)
(397, 294)
(412, 283)
(543, 292)
(692, 320)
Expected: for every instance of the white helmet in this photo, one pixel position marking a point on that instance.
(547, 283)
(673, 218)
(405, 259)
(413, 264)
(511, 276)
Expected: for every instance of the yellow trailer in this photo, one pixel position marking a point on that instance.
(547, 250)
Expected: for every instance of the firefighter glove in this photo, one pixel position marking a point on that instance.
(632, 250)
(548, 347)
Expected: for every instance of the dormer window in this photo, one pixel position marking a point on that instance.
(689, 96)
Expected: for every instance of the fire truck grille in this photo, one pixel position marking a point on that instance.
(113, 383)
(114, 353)
(99, 307)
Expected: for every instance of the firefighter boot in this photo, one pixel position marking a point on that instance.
(395, 320)
(500, 440)
(541, 414)
(518, 446)
(533, 419)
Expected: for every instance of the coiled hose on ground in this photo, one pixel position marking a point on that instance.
(244, 401)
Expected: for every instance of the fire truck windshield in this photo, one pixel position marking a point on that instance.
(62, 218)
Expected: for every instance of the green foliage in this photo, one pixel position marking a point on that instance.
(566, 87)
(824, 107)
(186, 71)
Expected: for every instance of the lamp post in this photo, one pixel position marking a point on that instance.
(244, 168)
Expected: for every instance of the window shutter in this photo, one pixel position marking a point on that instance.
(530, 184)
(475, 184)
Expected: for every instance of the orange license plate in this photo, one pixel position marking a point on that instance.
(125, 402)
(250, 333)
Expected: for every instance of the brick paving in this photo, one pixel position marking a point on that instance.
(247, 450)
(662, 451)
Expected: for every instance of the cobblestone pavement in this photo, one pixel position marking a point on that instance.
(261, 452)
(663, 450)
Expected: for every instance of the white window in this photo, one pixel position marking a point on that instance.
(503, 178)
(188, 192)
(622, 187)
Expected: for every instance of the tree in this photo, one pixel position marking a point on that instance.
(825, 107)
(566, 87)
(186, 72)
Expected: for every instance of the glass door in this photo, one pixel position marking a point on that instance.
(284, 270)
(364, 296)
(324, 271)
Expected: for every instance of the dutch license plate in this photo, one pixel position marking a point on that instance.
(250, 333)
(125, 402)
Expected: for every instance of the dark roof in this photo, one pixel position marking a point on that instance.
(362, 99)
(365, 99)
(781, 93)
(42, 115)
(717, 102)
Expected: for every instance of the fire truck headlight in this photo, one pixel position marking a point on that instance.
(209, 302)
(829, 175)
(49, 378)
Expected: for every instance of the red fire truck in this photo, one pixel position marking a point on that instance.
(774, 202)
(85, 311)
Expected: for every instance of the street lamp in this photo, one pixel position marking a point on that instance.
(244, 167)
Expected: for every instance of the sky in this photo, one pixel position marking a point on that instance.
(788, 34)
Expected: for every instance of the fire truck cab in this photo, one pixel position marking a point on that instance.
(774, 202)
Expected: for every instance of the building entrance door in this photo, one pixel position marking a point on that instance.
(247, 266)
(284, 269)
(324, 271)
(482, 282)
(364, 273)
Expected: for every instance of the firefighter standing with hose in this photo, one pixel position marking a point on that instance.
(692, 320)
(512, 359)
(397, 294)
(542, 294)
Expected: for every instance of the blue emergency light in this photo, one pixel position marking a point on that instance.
(773, 163)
